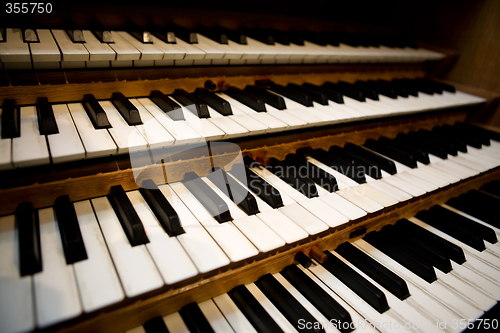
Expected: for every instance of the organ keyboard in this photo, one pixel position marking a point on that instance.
(158, 178)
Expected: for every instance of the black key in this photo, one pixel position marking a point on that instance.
(104, 36)
(293, 94)
(95, 112)
(315, 95)
(172, 109)
(128, 111)
(219, 104)
(235, 36)
(251, 100)
(194, 319)
(260, 187)
(399, 90)
(215, 34)
(280, 36)
(382, 88)
(302, 259)
(379, 273)
(362, 287)
(318, 298)
(30, 36)
(408, 88)
(411, 139)
(274, 100)
(391, 152)
(292, 177)
(364, 87)
(371, 170)
(344, 90)
(162, 209)
(207, 197)
(426, 87)
(426, 136)
(318, 175)
(434, 218)
(467, 224)
(143, 36)
(432, 242)
(492, 188)
(315, 38)
(46, 120)
(459, 143)
(253, 311)
(261, 35)
(131, 224)
(474, 137)
(11, 122)
(197, 106)
(237, 193)
(489, 134)
(289, 307)
(155, 325)
(71, 236)
(371, 158)
(332, 95)
(28, 228)
(76, 35)
(420, 249)
(417, 265)
(420, 155)
(443, 86)
(296, 37)
(346, 168)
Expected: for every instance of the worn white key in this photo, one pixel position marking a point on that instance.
(56, 292)
(18, 312)
(5, 150)
(226, 124)
(214, 317)
(148, 51)
(66, 145)
(127, 138)
(154, 133)
(170, 258)
(180, 129)
(202, 249)
(123, 49)
(96, 276)
(30, 148)
(135, 267)
(98, 51)
(45, 51)
(14, 50)
(230, 239)
(97, 142)
(233, 315)
(175, 323)
(70, 51)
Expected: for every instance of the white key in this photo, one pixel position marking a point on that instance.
(214, 317)
(70, 51)
(326, 213)
(123, 49)
(155, 134)
(98, 51)
(345, 207)
(230, 239)
(148, 51)
(18, 312)
(127, 138)
(373, 193)
(56, 292)
(310, 223)
(5, 150)
(288, 117)
(45, 50)
(175, 323)
(170, 51)
(14, 50)
(202, 249)
(212, 49)
(192, 53)
(226, 124)
(180, 129)
(403, 185)
(174, 267)
(387, 188)
(135, 267)
(96, 276)
(446, 296)
(97, 142)
(30, 148)
(66, 145)
(233, 315)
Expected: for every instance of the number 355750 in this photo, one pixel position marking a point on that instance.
(28, 7)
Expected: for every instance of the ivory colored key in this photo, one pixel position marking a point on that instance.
(96, 276)
(30, 148)
(166, 251)
(154, 133)
(201, 248)
(56, 292)
(226, 124)
(135, 267)
(148, 51)
(98, 51)
(45, 54)
(214, 317)
(14, 53)
(97, 142)
(175, 323)
(66, 145)
(180, 129)
(18, 311)
(123, 49)
(5, 150)
(70, 51)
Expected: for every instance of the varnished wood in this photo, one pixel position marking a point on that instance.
(98, 180)
(132, 315)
